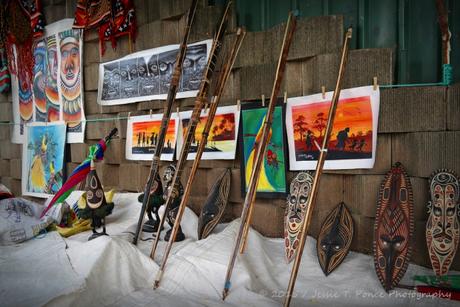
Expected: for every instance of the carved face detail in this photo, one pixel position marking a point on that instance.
(94, 194)
(295, 212)
(442, 228)
(334, 238)
(215, 205)
(394, 227)
(168, 175)
(194, 64)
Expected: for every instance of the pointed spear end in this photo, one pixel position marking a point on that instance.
(224, 294)
(156, 284)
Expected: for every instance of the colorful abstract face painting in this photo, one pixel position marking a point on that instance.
(442, 227)
(334, 239)
(43, 159)
(272, 180)
(394, 227)
(294, 215)
(70, 75)
(40, 80)
(51, 87)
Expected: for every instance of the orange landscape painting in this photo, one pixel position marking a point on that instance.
(221, 135)
(145, 137)
(351, 136)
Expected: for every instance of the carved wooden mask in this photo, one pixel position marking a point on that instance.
(442, 227)
(394, 227)
(334, 238)
(295, 212)
(215, 205)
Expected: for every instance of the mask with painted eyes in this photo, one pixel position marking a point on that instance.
(95, 197)
(442, 228)
(394, 227)
(295, 212)
(334, 238)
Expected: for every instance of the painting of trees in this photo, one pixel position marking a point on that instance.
(320, 123)
(300, 126)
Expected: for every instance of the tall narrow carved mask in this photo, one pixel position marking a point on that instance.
(294, 215)
(394, 227)
(334, 239)
(442, 227)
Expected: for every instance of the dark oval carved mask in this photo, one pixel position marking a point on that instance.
(394, 227)
(334, 239)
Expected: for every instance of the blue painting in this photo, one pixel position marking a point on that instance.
(43, 159)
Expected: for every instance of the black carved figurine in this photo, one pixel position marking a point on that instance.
(177, 193)
(156, 200)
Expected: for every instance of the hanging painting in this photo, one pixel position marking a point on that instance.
(71, 83)
(272, 180)
(354, 134)
(43, 159)
(146, 75)
(222, 138)
(24, 23)
(56, 82)
(143, 133)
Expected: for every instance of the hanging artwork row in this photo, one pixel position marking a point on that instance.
(222, 138)
(272, 180)
(56, 92)
(354, 135)
(146, 75)
(43, 158)
(142, 135)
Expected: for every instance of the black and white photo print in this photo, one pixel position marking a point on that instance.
(146, 75)
(166, 61)
(194, 64)
(149, 77)
(111, 85)
(129, 86)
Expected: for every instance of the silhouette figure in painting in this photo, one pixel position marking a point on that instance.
(309, 140)
(342, 137)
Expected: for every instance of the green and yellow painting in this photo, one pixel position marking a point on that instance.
(273, 171)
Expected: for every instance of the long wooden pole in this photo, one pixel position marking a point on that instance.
(200, 101)
(319, 168)
(225, 73)
(174, 86)
(252, 187)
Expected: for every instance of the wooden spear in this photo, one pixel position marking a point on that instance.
(252, 187)
(225, 73)
(200, 101)
(174, 86)
(319, 168)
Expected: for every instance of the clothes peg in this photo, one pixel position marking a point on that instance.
(323, 91)
(263, 100)
(375, 83)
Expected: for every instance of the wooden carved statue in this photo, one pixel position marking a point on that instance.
(155, 202)
(96, 205)
(177, 193)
